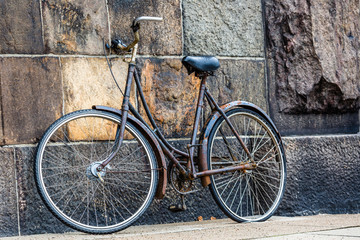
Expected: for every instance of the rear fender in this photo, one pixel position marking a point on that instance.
(160, 158)
(203, 166)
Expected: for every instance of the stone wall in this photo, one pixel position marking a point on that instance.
(323, 177)
(52, 63)
(314, 62)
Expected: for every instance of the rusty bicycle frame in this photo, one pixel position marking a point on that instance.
(185, 162)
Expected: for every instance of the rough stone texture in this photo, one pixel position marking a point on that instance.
(20, 27)
(315, 49)
(1, 124)
(75, 26)
(323, 175)
(88, 82)
(170, 93)
(239, 80)
(226, 28)
(8, 205)
(310, 124)
(31, 97)
(156, 38)
(33, 214)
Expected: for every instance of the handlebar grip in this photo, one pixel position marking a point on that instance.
(146, 18)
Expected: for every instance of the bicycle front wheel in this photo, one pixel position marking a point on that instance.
(65, 172)
(247, 195)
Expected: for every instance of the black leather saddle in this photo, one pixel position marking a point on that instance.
(201, 64)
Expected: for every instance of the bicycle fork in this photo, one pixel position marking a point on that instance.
(121, 129)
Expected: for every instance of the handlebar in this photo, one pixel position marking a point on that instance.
(146, 18)
(118, 44)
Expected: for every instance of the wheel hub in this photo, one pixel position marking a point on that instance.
(93, 174)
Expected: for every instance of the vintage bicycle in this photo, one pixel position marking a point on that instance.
(98, 170)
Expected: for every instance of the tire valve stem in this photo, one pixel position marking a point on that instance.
(99, 175)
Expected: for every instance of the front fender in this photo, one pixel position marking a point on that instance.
(203, 166)
(160, 158)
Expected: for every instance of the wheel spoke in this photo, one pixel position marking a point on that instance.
(252, 195)
(66, 163)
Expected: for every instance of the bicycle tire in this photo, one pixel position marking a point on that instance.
(70, 150)
(250, 195)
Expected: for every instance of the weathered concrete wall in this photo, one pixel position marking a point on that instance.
(51, 63)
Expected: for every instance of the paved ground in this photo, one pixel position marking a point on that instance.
(312, 227)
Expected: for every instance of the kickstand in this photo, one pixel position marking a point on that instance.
(179, 207)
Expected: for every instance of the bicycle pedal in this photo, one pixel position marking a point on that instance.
(177, 208)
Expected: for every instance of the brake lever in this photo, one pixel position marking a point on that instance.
(118, 44)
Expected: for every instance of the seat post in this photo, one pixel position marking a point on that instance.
(200, 104)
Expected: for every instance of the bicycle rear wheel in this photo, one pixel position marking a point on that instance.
(247, 195)
(65, 172)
